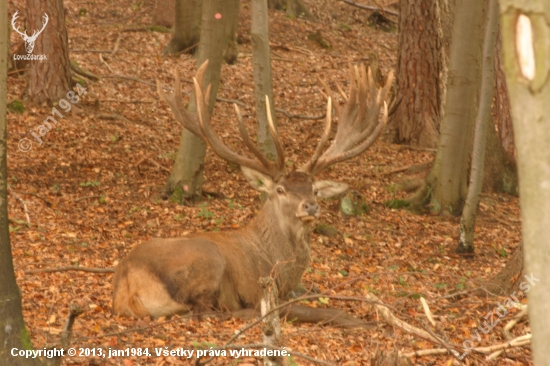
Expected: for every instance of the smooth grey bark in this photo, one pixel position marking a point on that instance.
(448, 177)
(468, 220)
(261, 60)
(187, 28)
(164, 13)
(13, 332)
(231, 27)
(527, 66)
(186, 178)
(187, 31)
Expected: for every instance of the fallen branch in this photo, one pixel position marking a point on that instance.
(368, 7)
(113, 116)
(299, 116)
(125, 101)
(16, 196)
(71, 268)
(85, 198)
(116, 44)
(517, 342)
(80, 71)
(105, 63)
(75, 310)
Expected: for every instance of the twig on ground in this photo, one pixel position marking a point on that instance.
(427, 311)
(125, 101)
(105, 63)
(113, 116)
(299, 116)
(158, 165)
(70, 268)
(16, 196)
(75, 310)
(117, 42)
(80, 71)
(368, 7)
(512, 323)
(85, 198)
(517, 342)
(50, 204)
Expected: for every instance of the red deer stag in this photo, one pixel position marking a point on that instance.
(221, 269)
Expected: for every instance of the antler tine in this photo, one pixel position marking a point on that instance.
(322, 142)
(276, 137)
(246, 139)
(215, 142)
(359, 125)
(181, 115)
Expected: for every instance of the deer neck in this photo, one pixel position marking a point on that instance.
(282, 243)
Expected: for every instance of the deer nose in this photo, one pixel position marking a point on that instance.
(310, 208)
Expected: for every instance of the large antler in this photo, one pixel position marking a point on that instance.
(201, 126)
(358, 122)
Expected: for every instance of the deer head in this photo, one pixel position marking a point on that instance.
(29, 40)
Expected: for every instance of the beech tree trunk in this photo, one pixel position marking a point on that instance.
(13, 333)
(261, 59)
(164, 13)
(526, 51)
(467, 222)
(187, 29)
(50, 79)
(186, 178)
(419, 66)
(448, 177)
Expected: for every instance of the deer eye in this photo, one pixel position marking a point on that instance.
(280, 190)
(315, 191)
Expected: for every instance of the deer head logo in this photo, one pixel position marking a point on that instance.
(29, 40)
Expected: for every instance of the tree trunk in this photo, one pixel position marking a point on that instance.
(526, 51)
(294, 8)
(231, 27)
(500, 165)
(187, 28)
(448, 177)
(13, 333)
(49, 79)
(186, 178)
(468, 220)
(502, 104)
(419, 66)
(262, 76)
(508, 279)
(164, 13)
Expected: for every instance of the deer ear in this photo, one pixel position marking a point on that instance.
(328, 188)
(257, 180)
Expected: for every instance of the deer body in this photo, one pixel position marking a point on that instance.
(221, 269)
(203, 270)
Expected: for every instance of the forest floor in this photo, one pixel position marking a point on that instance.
(92, 191)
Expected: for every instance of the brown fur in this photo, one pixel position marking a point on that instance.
(221, 270)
